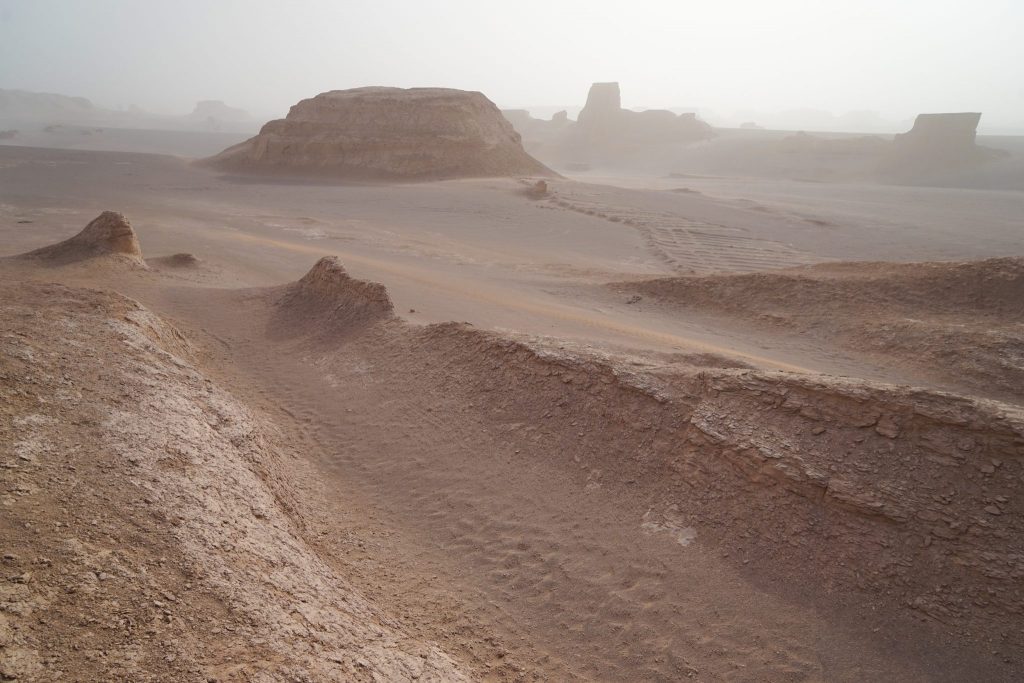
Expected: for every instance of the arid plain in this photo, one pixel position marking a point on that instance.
(594, 426)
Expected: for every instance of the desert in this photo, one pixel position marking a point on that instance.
(409, 381)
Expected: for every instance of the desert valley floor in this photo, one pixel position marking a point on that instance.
(693, 428)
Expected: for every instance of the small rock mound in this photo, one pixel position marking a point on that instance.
(328, 300)
(109, 234)
(386, 134)
(538, 190)
(180, 260)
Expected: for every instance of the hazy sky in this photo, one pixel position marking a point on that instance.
(898, 57)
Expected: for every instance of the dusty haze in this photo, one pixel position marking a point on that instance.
(794, 64)
(439, 342)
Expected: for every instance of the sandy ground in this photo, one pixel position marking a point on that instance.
(577, 487)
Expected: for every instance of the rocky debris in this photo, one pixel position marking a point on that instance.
(108, 235)
(538, 190)
(156, 533)
(386, 133)
(328, 301)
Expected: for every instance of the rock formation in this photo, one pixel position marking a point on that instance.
(109, 234)
(215, 115)
(605, 134)
(216, 109)
(606, 123)
(386, 133)
(35, 106)
(328, 300)
(940, 141)
(942, 134)
(541, 137)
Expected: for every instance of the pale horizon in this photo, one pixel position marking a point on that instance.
(732, 57)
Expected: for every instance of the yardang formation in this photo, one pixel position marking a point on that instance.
(386, 134)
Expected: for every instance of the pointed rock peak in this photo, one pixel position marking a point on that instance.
(327, 299)
(328, 279)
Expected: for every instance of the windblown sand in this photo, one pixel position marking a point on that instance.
(454, 450)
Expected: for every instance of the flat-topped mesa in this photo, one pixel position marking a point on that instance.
(109, 234)
(329, 300)
(386, 134)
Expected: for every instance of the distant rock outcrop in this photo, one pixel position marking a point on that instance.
(943, 136)
(605, 134)
(218, 110)
(215, 115)
(542, 137)
(937, 144)
(386, 133)
(109, 234)
(606, 123)
(604, 104)
(24, 105)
